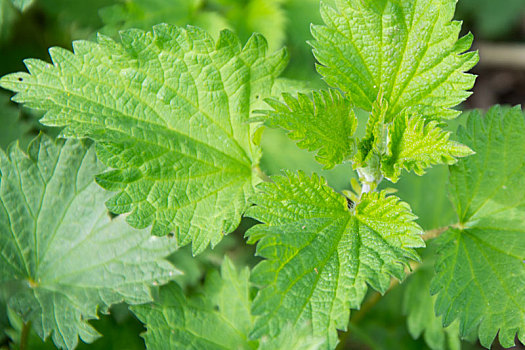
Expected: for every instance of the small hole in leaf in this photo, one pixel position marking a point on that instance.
(171, 235)
(20, 79)
(257, 96)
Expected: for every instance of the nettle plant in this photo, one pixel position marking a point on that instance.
(168, 124)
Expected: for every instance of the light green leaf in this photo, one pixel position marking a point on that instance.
(220, 319)
(119, 331)
(325, 123)
(418, 305)
(143, 14)
(34, 342)
(481, 271)
(169, 110)
(279, 152)
(408, 49)
(243, 17)
(428, 197)
(288, 85)
(292, 338)
(260, 16)
(321, 254)
(65, 256)
(414, 145)
(371, 147)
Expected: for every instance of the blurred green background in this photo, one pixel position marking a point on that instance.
(29, 27)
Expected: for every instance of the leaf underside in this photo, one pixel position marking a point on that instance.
(480, 275)
(63, 258)
(320, 255)
(169, 111)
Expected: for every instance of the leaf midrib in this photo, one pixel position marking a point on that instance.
(158, 127)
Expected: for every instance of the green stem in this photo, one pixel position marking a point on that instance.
(431, 234)
(369, 179)
(24, 336)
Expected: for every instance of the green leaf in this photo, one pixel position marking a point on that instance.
(143, 14)
(260, 16)
(61, 253)
(220, 319)
(193, 268)
(383, 327)
(279, 152)
(481, 271)
(325, 123)
(321, 254)
(418, 305)
(169, 110)
(292, 338)
(370, 147)
(79, 19)
(408, 49)
(8, 15)
(34, 342)
(117, 333)
(414, 145)
(428, 197)
(288, 85)
(243, 17)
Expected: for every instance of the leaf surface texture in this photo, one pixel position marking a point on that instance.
(405, 51)
(321, 255)
(62, 257)
(169, 112)
(219, 318)
(416, 146)
(481, 271)
(324, 123)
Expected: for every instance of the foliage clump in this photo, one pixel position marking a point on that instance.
(170, 122)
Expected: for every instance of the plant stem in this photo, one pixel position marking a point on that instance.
(261, 174)
(24, 335)
(434, 233)
(369, 179)
(431, 234)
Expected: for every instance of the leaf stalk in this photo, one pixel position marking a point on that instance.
(24, 335)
